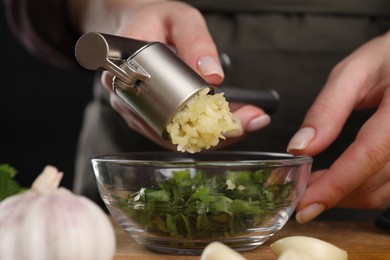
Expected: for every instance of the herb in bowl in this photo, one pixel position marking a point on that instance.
(189, 206)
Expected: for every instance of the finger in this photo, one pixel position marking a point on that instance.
(377, 199)
(190, 36)
(252, 118)
(315, 175)
(182, 26)
(374, 193)
(366, 156)
(326, 117)
(106, 80)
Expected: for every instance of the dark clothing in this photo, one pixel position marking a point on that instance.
(44, 29)
(290, 46)
(332, 7)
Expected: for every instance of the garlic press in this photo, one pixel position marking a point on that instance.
(151, 78)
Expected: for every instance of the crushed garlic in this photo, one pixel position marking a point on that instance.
(202, 122)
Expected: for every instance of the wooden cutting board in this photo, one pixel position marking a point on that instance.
(362, 241)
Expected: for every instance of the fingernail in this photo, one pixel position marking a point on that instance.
(209, 66)
(258, 123)
(301, 139)
(235, 133)
(309, 213)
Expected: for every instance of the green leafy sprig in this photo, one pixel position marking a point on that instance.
(191, 206)
(8, 186)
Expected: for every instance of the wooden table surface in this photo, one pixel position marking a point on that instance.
(360, 239)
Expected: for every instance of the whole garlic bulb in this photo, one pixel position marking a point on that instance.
(51, 223)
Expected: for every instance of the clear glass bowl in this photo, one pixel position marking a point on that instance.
(178, 203)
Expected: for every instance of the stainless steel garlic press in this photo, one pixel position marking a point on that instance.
(152, 79)
(149, 77)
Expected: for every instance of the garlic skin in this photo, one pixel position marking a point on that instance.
(309, 247)
(51, 223)
(219, 251)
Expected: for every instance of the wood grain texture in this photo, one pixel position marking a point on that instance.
(361, 240)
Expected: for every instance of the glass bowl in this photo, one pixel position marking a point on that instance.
(178, 203)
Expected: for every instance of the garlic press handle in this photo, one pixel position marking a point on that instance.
(99, 51)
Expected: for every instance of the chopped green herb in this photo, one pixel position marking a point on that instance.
(8, 186)
(192, 207)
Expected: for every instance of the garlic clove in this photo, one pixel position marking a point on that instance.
(312, 248)
(290, 254)
(219, 251)
(48, 180)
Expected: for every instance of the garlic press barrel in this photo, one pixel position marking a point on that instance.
(152, 79)
(171, 85)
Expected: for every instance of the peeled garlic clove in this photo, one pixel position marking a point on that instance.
(51, 223)
(313, 248)
(292, 255)
(219, 251)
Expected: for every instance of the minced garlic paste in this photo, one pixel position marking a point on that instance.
(202, 122)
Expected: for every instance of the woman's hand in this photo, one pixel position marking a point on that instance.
(176, 24)
(360, 177)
